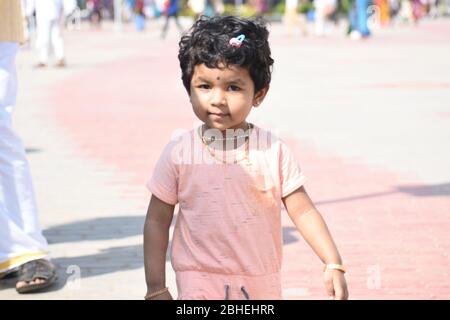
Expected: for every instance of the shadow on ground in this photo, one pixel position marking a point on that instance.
(114, 228)
(435, 190)
(32, 150)
(96, 229)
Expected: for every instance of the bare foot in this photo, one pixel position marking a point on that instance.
(35, 275)
(21, 284)
(61, 63)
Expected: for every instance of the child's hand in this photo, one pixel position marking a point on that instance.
(335, 284)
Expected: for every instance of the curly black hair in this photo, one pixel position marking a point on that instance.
(207, 42)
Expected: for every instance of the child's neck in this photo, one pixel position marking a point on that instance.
(228, 139)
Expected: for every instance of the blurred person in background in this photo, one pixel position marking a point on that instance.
(217, 6)
(95, 12)
(358, 27)
(323, 10)
(394, 9)
(139, 14)
(418, 10)
(171, 11)
(24, 254)
(49, 16)
(385, 13)
(433, 11)
(293, 18)
(29, 20)
(71, 13)
(406, 11)
(197, 7)
(213, 8)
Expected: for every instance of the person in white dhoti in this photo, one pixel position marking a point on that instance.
(323, 10)
(23, 249)
(49, 15)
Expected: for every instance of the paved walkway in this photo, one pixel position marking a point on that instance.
(368, 122)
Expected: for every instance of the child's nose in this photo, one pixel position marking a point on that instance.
(218, 97)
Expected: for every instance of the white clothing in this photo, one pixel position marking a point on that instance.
(291, 4)
(48, 19)
(323, 9)
(20, 232)
(49, 36)
(48, 9)
(198, 6)
(69, 6)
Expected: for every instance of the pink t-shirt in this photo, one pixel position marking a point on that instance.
(229, 220)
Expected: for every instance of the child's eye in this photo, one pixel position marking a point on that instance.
(234, 88)
(203, 86)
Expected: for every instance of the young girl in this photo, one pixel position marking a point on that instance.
(229, 178)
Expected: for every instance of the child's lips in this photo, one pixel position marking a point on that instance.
(217, 115)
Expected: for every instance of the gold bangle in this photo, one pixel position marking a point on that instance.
(156, 293)
(334, 266)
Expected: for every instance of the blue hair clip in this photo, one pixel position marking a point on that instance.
(237, 42)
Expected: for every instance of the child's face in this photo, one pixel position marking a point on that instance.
(223, 97)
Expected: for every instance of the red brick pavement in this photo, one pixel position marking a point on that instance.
(394, 238)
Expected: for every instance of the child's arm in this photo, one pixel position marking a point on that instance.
(156, 240)
(315, 231)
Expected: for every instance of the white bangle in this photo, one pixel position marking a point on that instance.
(334, 266)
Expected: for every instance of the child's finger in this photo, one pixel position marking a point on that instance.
(340, 290)
(340, 293)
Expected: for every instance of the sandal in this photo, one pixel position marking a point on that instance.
(12, 273)
(36, 269)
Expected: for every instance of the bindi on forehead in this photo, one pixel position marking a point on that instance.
(218, 78)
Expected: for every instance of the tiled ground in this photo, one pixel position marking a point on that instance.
(368, 122)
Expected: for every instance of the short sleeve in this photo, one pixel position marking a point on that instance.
(164, 181)
(291, 175)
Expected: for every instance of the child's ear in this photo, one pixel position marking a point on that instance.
(259, 96)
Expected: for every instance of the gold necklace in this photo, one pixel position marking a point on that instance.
(212, 152)
(213, 138)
